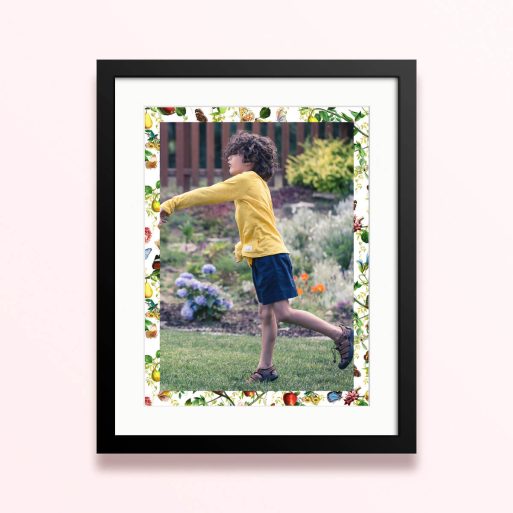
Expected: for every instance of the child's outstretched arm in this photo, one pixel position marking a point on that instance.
(229, 190)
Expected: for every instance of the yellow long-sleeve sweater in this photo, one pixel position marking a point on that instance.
(254, 213)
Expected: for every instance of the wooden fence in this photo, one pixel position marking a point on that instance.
(198, 147)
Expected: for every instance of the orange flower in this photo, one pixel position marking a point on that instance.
(304, 276)
(295, 278)
(299, 291)
(318, 288)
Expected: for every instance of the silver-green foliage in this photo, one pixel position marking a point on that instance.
(322, 245)
(313, 236)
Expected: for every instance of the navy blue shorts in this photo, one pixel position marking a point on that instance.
(273, 278)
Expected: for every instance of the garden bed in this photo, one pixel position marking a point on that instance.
(243, 320)
(212, 238)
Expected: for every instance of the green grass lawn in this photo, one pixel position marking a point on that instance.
(204, 361)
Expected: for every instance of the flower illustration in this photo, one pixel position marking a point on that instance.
(152, 332)
(312, 398)
(151, 162)
(350, 397)
(357, 223)
(200, 300)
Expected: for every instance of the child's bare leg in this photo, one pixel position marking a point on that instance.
(285, 313)
(269, 332)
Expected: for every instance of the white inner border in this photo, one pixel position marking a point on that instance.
(131, 416)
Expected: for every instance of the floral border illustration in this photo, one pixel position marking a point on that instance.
(153, 395)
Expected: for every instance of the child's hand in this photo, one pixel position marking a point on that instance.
(163, 218)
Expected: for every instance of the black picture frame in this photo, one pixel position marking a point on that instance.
(405, 440)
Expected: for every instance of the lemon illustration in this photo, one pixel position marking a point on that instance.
(312, 119)
(155, 206)
(148, 123)
(148, 291)
(155, 375)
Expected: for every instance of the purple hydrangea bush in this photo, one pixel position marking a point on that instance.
(203, 300)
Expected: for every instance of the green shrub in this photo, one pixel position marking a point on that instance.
(340, 248)
(175, 258)
(216, 249)
(187, 230)
(217, 220)
(198, 237)
(225, 264)
(226, 269)
(326, 165)
(179, 218)
(244, 271)
(194, 267)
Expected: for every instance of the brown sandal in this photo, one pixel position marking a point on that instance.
(346, 350)
(261, 375)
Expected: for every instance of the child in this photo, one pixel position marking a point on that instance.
(252, 160)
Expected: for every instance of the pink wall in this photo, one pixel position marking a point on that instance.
(465, 63)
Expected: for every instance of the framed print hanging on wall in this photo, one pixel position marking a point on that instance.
(256, 256)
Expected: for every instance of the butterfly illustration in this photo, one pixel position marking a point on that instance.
(245, 114)
(147, 251)
(334, 396)
(200, 115)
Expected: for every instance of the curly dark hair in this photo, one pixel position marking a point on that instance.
(257, 149)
